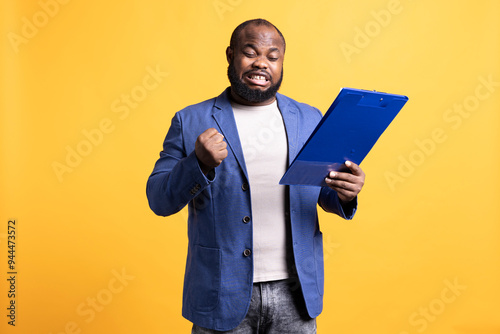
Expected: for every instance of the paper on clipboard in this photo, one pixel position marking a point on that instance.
(348, 131)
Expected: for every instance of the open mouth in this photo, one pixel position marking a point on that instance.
(257, 79)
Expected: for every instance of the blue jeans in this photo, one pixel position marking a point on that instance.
(277, 307)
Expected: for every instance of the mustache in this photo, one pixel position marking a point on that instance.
(252, 95)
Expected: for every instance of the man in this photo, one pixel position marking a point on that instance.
(255, 254)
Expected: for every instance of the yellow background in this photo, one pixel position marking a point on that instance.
(422, 225)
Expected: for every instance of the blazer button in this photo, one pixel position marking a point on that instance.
(244, 186)
(247, 252)
(246, 219)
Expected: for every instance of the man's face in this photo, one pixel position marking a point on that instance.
(256, 65)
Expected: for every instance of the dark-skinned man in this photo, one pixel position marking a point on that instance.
(255, 253)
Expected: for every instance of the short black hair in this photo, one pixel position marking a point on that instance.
(257, 22)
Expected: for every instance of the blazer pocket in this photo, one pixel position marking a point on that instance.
(203, 277)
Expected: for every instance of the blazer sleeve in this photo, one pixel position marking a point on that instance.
(330, 202)
(177, 177)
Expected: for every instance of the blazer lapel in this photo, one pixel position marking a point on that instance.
(222, 112)
(223, 115)
(289, 114)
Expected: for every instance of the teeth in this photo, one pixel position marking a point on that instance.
(258, 77)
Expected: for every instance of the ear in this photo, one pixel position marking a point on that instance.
(229, 54)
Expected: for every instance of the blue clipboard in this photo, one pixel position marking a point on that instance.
(348, 131)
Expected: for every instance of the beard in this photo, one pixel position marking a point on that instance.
(248, 94)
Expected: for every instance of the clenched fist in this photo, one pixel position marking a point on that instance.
(210, 149)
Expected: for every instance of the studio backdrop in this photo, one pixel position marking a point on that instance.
(87, 93)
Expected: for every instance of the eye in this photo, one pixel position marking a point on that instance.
(273, 56)
(249, 53)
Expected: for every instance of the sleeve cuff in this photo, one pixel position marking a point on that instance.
(330, 202)
(349, 209)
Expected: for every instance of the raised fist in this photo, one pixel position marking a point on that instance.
(210, 149)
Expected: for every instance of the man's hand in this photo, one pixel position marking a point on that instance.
(347, 185)
(210, 149)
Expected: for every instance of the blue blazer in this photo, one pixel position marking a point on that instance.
(219, 268)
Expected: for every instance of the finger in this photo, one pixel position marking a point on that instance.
(206, 135)
(223, 154)
(210, 132)
(342, 176)
(215, 137)
(220, 156)
(222, 146)
(219, 137)
(341, 190)
(354, 168)
(340, 185)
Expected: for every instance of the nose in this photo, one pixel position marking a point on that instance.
(260, 62)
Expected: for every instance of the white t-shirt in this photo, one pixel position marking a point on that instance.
(264, 143)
